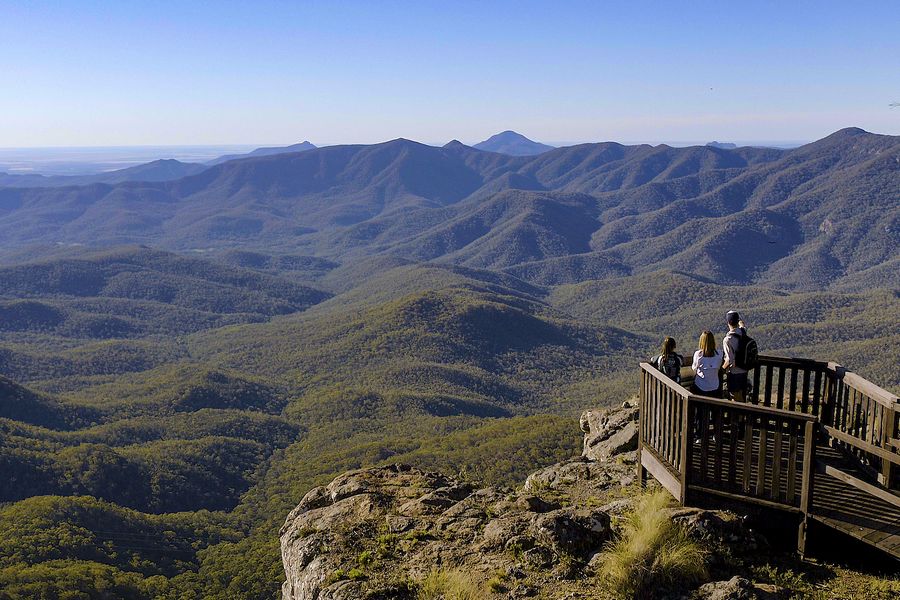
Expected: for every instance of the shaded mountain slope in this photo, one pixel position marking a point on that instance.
(18, 403)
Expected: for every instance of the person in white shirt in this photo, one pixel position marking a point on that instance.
(706, 365)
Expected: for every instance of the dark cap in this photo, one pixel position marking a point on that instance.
(732, 318)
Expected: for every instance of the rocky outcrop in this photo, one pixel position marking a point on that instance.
(608, 432)
(412, 521)
(374, 533)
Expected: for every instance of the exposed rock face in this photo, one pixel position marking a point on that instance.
(608, 432)
(373, 533)
(412, 521)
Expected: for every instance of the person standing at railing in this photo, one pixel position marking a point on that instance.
(706, 365)
(669, 362)
(738, 356)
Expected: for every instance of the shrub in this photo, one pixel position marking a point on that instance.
(448, 585)
(651, 553)
(495, 585)
(366, 558)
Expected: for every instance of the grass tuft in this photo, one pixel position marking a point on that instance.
(651, 553)
(445, 584)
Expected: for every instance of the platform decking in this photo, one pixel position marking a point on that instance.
(813, 439)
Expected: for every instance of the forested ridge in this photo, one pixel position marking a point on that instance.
(164, 406)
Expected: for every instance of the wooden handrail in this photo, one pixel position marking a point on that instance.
(755, 408)
(876, 393)
(784, 361)
(671, 384)
(861, 445)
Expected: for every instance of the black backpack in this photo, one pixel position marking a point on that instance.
(670, 366)
(747, 355)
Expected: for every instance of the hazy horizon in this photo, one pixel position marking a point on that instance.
(87, 160)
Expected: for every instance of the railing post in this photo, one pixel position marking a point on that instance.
(809, 457)
(685, 458)
(888, 431)
(642, 409)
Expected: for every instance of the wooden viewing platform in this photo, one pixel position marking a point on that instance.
(812, 439)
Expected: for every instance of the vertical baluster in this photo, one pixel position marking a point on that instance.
(856, 404)
(684, 452)
(776, 459)
(768, 400)
(840, 405)
(761, 456)
(747, 450)
(676, 421)
(796, 430)
(806, 491)
(664, 422)
(816, 399)
(655, 433)
(645, 409)
(888, 431)
(780, 400)
(704, 442)
(676, 427)
(732, 450)
(792, 400)
(756, 377)
(719, 433)
(652, 421)
(871, 420)
(667, 425)
(804, 393)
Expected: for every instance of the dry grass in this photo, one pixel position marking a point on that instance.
(651, 554)
(445, 584)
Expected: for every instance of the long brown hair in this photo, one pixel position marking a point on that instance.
(707, 343)
(668, 347)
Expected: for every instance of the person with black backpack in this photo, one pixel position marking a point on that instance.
(668, 362)
(741, 355)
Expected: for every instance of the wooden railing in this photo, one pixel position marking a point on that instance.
(858, 416)
(755, 452)
(692, 443)
(862, 420)
(764, 451)
(663, 429)
(793, 384)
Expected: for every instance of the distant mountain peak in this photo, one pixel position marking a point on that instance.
(512, 143)
(722, 145)
(847, 132)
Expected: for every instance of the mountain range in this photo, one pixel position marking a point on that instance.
(798, 218)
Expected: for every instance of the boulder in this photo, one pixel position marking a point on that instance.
(567, 473)
(536, 504)
(736, 588)
(724, 531)
(572, 531)
(608, 432)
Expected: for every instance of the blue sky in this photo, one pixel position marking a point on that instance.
(135, 73)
